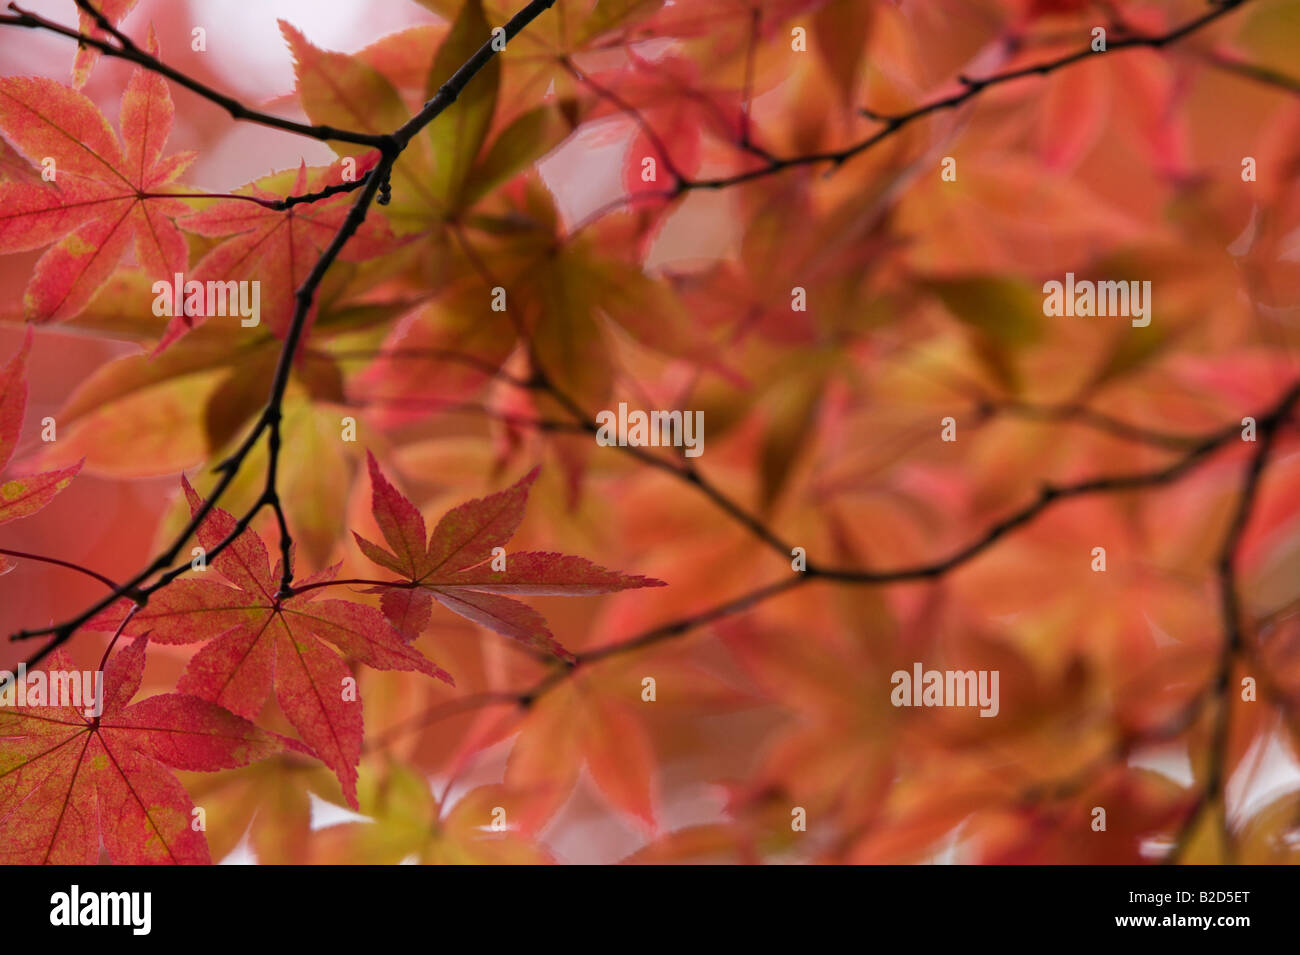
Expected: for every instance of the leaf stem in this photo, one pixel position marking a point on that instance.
(22, 555)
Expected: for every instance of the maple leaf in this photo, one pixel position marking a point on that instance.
(277, 249)
(341, 90)
(583, 723)
(22, 496)
(68, 780)
(257, 641)
(268, 804)
(457, 566)
(591, 720)
(105, 196)
(114, 11)
(405, 821)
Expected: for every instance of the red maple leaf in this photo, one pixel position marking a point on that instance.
(457, 567)
(69, 780)
(278, 248)
(258, 640)
(21, 496)
(103, 197)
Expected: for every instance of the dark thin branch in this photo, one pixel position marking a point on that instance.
(1197, 450)
(971, 88)
(1100, 421)
(303, 298)
(1196, 447)
(525, 698)
(447, 93)
(1269, 421)
(106, 581)
(1253, 71)
(268, 422)
(1213, 793)
(1048, 496)
(684, 625)
(127, 50)
(275, 205)
(290, 201)
(624, 107)
(686, 472)
(135, 588)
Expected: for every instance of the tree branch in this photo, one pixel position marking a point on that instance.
(1213, 792)
(1269, 422)
(1253, 71)
(892, 123)
(127, 50)
(269, 421)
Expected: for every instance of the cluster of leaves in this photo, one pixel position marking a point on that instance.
(64, 786)
(675, 290)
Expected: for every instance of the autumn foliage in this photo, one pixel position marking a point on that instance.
(315, 472)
